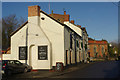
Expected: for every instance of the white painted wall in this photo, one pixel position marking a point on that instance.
(55, 33)
(75, 28)
(50, 33)
(19, 39)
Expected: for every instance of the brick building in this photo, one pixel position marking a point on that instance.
(97, 48)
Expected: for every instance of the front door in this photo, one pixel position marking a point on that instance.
(66, 57)
(70, 57)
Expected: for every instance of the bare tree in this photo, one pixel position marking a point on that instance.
(9, 24)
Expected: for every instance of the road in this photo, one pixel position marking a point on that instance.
(110, 69)
(107, 69)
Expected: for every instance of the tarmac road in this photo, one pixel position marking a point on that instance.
(109, 69)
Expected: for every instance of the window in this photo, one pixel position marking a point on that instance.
(42, 53)
(85, 46)
(23, 53)
(17, 62)
(95, 51)
(77, 43)
(82, 44)
(102, 49)
(10, 62)
(70, 40)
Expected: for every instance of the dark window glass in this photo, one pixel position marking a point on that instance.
(23, 53)
(82, 44)
(71, 41)
(77, 43)
(42, 53)
(85, 46)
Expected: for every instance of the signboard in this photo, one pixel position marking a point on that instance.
(23, 53)
(42, 53)
(59, 66)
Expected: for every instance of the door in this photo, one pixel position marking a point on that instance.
(70, 57)
(31, 51)
(66, 57)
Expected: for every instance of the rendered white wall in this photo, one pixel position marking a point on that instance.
(75, 28)
(55, 33)
(19, 39)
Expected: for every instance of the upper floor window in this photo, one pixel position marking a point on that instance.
(95, 51)
(70, 40)
(102, 49)
(77, 43)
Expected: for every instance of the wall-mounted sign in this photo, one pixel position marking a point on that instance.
(23, 53)
(42, 53)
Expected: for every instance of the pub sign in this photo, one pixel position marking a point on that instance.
(42, 52)
(23, 53)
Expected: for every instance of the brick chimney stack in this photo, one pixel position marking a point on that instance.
(33, 11)
(34, 14)
(72, 21)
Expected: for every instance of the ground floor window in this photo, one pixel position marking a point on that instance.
(42, 52)
(22, 53)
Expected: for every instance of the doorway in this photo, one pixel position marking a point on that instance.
(66, 57)
(31, 51)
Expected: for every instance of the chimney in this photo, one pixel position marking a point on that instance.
(79, 26)
(64, 12)
(72, 21)
(34, 14)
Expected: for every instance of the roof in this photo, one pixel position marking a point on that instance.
(27, 22)
(60, 17)
(90, 39)
(46, 15)
(18, 28)
(52, 18)
(96, 42)
(84, 29)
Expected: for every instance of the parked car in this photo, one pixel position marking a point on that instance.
(14, 66)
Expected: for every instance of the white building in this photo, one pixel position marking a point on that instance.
(48, 41)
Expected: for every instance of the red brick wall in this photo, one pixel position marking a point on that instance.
(98, 45)
(33, 11)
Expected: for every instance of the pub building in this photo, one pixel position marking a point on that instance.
(44, 41)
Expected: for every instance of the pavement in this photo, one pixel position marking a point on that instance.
(68, 69)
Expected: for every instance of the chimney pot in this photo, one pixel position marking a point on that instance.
(52, 11)
(64, 12)
(72, 21)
